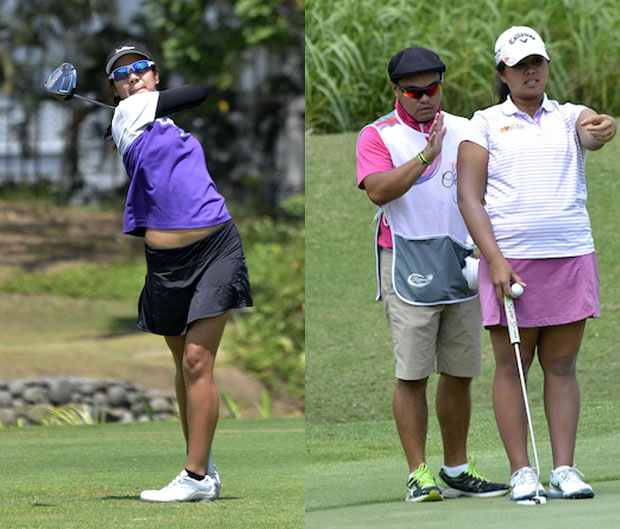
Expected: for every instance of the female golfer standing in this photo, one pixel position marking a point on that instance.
(522, 193)
(196, 269)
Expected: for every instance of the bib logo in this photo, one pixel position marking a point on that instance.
(430, 171)
(419, 281)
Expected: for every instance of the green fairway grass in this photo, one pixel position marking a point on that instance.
(47, 334)
(82, 477)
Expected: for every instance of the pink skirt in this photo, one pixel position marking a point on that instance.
(558, 291)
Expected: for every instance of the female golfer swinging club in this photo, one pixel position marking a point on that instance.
(196, 270)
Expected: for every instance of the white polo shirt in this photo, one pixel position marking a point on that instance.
(536, 187)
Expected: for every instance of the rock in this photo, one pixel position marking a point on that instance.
(34, 394)
(117, 396)
(86, 388)
(101, 385)
(16, 387)
(5, 399)
(7, 417)
(100, 400)
(161, 405)
(18, 406)
(30, 401)
(119, 415)
(127, 418)
(137, 408)
(37, 414)
(132, 397)
(59, 391)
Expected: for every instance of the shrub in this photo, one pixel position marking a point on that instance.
(269, 338)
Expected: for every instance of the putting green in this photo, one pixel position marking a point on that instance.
(370, 493)
(601, 512)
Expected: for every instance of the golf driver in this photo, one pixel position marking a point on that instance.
(515, 340)
(62, 83)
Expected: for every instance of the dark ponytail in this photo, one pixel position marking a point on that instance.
(501, 89)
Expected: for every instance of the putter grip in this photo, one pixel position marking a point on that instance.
(511, 318)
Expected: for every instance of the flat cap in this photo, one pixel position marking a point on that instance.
(412, 61)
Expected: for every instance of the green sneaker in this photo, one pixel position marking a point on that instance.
(421, 486)
(470, 483)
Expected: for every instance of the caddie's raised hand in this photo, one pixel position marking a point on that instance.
(435, 138)
(601, 127)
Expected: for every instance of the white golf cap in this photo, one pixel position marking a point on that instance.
(517, 43)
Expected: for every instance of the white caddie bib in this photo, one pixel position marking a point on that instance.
(429, 237)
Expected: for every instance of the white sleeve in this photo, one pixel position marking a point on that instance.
(573, 111)
(131, 117)
(477, 130)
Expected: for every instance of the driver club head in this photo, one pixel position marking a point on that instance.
(62, 82)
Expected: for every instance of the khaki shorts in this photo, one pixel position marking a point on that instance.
(442, 338)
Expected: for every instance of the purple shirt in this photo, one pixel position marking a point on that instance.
(169, 184)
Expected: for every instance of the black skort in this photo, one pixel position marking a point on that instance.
(201, 280)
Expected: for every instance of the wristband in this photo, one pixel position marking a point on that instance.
(423, 160)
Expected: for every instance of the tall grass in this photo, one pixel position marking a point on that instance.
(349, 44)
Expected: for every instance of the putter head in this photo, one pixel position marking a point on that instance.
(536, 500)
(62, 82)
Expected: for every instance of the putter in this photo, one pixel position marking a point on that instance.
(515, 340)
(62, 83)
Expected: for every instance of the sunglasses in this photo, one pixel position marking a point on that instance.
(417, 93)
(122, 72)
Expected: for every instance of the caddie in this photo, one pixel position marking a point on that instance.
(406, 163)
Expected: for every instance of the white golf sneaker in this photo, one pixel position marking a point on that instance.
(566, 483)
(183, 488)
(523, 485)
(213, 473)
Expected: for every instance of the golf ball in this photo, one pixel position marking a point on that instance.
(516, 289)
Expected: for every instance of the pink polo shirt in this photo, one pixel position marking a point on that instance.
(374, 157)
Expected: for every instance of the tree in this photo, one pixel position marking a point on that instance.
(214, 42)
(42, 33)
(219, 43)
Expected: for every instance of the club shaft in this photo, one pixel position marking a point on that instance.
(515, 339)
(92, 101)
(527, 406)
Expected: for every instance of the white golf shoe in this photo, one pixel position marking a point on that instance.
(213, 473)
(523, 485)
(566, 483)
(183, 488)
